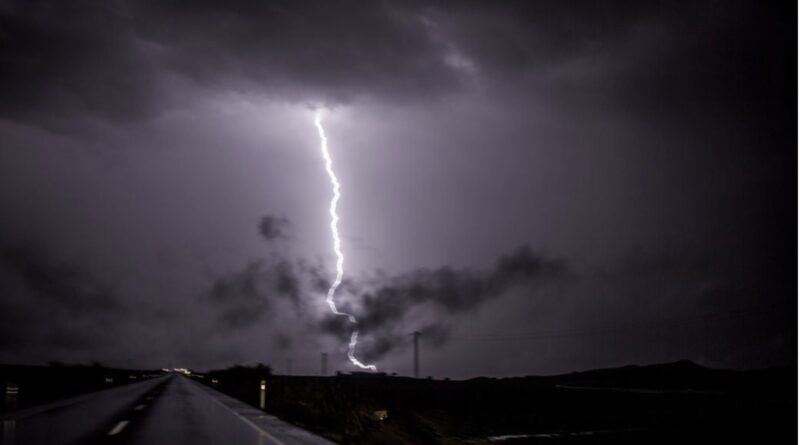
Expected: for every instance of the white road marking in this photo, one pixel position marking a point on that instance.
(118, 428)
(139, 407)
(245, 420)
(37, 410)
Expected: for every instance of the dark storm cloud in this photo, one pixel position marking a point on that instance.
(441, 293)
(247, 297)
(51, 303)
(454, 290)
(722, 59)
(711, 63)
(519, 37)
(76, 58)
(56, 282)
(659, 303)
(382, 304)
(116, 60)
(306, 50)
(698, 158)
(123, 60)
(273, 228)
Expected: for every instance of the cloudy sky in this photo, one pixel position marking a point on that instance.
(536, 187)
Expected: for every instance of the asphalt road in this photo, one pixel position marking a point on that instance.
(167, 410)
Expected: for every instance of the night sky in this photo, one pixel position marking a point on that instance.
(536, 187)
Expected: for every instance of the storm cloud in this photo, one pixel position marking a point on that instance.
(428, 300)
(387, 307)
(646, 151)
(141, 51)
(243, 298)
(664, 59)
(273, 227)
(52, 304)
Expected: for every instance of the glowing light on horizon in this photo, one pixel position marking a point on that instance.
(337, 243)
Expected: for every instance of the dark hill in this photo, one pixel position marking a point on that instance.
(664, 403)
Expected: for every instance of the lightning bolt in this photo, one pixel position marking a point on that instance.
(337, 243)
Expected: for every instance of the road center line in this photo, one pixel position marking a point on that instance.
(118, 427)
(139, 407)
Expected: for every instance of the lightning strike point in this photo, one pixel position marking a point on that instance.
(337, 243)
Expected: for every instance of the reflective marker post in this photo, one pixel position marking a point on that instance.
(12, 390)
(262, 394)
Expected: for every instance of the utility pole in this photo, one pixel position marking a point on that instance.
(324, 364)
(416, 354)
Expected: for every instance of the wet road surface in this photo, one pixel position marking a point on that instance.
(167, 410)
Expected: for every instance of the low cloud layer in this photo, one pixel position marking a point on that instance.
(430, 300)
(388, 308)
(277, 301)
